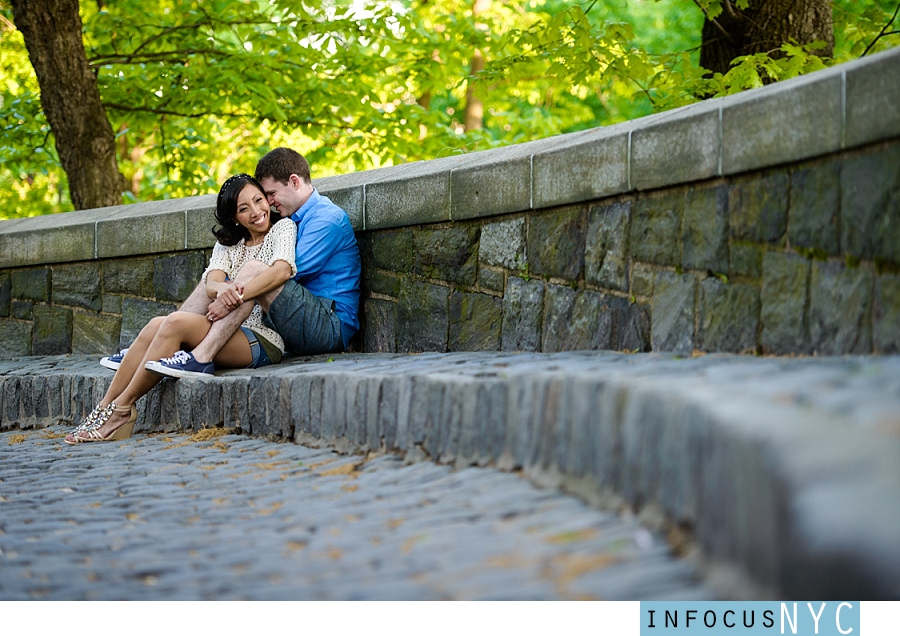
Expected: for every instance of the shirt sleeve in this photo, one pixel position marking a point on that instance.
(283, 236)
(315, 246)
(220, 260)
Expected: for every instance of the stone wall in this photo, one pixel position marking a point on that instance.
(766, 222)
(784, 260)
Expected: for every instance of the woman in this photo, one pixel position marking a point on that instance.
(246, 233)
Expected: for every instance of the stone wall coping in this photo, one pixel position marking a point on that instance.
(842, 107)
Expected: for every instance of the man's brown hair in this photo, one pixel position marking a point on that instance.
(281, 163)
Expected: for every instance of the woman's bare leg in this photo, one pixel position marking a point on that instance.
(178, 330)
(133, 361)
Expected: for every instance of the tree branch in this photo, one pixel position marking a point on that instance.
(715, 22)
(197, 115)
(206, 21)
(883, 32)
(162, 56)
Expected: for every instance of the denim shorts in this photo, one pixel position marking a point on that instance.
(260, 357)
(308, 323)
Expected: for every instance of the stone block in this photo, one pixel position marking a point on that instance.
(746, 259)
(206, 404)
(136, 314)
(21, 310)
(631, 324)
(418, 194)
(145, 228)
(77, 285)
(383, 283)
(587, 165)
(52, 332)
(815, 207)
(783, 304)
(705, 233)
(475, 321)
(873, 99)
(449, 254)
(555, 243)
(176, 276)
(16, 338)
(728, 317)
(606, 246)
(348, 191)
(672, 312)
(393, 250)
(422, 317)
(641, 280)
(200, 218)
(788, 121)
(133, 276)
(491, 278)
(503, 243)
(31, 284)
(95, 333)
(840, 309)
(235, 408)
(497, 182)
(678, 147)
(111, 305)
(870, 205)
(576, 321)
(379, 326)
(757, 207)
(886, 332)
(5, 293)
(52, 238)
(523, 309)
(258, 393)
(656, 228)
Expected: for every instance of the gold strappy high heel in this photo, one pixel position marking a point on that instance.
(92, 431)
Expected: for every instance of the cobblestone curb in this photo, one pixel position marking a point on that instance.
(787, 470)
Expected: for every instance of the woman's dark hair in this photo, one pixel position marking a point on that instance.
(231, 232)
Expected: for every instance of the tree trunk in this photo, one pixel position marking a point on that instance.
(474, 114)
(70, 99)
(763, 27)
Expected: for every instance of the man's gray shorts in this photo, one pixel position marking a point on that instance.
(307, 323)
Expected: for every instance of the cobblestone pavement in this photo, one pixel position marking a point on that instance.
(232, 517)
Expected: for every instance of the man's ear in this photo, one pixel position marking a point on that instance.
(295, 181)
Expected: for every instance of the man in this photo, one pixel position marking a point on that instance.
(316, 311)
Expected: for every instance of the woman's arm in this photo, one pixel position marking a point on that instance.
(214, 280)
(229, 293)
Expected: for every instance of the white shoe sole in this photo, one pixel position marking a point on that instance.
(109, 364)
(161, 369)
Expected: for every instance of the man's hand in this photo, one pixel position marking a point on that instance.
(217, 310)
(231, 295)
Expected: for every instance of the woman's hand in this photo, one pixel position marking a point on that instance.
(230, 295)
(216, 311)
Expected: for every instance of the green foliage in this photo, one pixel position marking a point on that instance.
(197, 90)
(31, 180)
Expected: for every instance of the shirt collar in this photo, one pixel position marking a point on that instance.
(306, 207)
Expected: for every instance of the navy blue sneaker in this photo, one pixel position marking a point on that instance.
(181, 365)
(113, 361)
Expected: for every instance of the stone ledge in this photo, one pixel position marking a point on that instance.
(843, 107)
(787, 468)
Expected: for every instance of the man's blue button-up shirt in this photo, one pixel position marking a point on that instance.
(327, 256)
